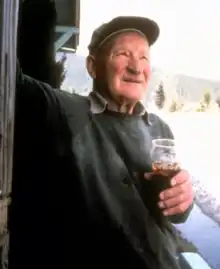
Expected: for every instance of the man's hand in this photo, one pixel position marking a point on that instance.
(177, 199)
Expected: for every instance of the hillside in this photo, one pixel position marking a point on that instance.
(187, 88)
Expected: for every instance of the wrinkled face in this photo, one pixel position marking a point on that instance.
(127, 66)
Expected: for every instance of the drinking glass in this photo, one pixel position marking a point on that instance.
(165, 158)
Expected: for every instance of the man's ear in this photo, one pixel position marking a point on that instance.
(91, 66)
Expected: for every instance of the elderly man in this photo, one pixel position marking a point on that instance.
(82, 191)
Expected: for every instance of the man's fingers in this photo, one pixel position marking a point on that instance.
(178, 209)
(181, 177)
(150, 175)
(172, 202)
(174, 191)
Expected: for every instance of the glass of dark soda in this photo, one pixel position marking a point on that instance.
(165, 158)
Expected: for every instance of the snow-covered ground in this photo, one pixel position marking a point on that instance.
(198, 136)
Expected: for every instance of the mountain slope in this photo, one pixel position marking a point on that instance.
(186, 87)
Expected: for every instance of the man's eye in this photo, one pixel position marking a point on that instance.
(122, 53)
(144, 58)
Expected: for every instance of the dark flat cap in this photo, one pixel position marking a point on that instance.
(145, 26)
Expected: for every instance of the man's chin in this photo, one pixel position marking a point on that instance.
(128, 95)
(134, 93)
(128, 100)
(133, 97)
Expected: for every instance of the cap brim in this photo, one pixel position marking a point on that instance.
(148, 27)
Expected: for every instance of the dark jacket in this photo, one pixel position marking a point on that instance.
(78, 193)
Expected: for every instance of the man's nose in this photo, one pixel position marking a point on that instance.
(135, 68)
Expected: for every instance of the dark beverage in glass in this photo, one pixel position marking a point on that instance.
(165, 165)
(165, 162)
(168, 170)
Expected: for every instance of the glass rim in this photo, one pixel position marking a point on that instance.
(173, 141)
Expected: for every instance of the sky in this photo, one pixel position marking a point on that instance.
(189, 42)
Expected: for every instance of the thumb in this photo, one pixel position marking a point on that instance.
(148, 176)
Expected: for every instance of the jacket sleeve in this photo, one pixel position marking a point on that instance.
(31, 94)
(38, 115)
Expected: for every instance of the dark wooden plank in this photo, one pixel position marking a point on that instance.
(8, 40)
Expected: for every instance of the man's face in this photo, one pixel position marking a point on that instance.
(127, 66)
